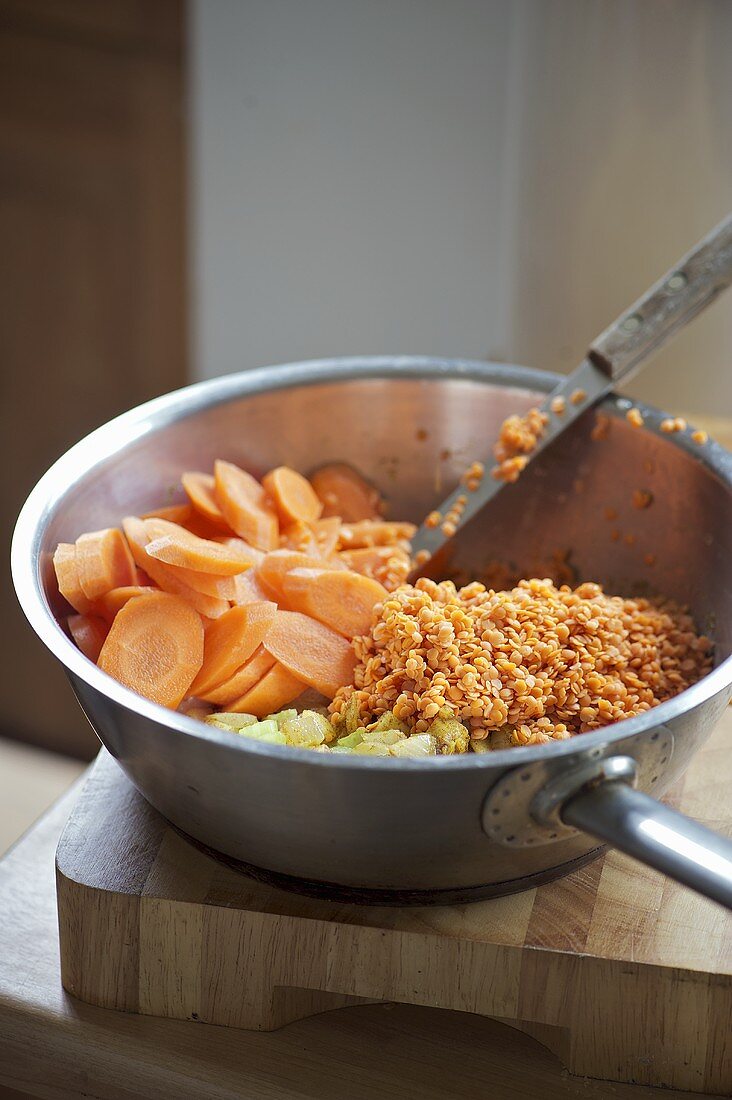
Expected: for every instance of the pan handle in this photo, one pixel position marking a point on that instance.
(643, 828)
(671, 303)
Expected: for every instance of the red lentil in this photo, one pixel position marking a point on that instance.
(521, 666)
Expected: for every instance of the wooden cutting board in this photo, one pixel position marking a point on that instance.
(621, 973)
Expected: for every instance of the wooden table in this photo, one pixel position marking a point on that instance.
(53, 1046)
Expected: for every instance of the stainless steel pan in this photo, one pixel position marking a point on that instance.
(444, 828)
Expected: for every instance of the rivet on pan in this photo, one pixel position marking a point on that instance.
(525, 776)
(654, 779)
(664, 759)
(553, 836)
(510, 838)
(632, 323)
(506, 792)
(595, 753)
(495, 812)
(655, 736)
(677, 281)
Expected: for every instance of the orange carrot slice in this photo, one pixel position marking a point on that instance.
(301, 537)
(164, 576)
(67, 575)
(231, 641)
(345, 493)
(201, 491)
(276, 688)
(251, 552)
(209, 584)
(327, 532)
(185, 515)
(90, 633)
(155, 647)
(104, 562)
(342, 600)
(243, 679)
(173, 545)
(250, 589)
(245, 506)
(311, 651)
(175, 513)
(293, 495)
(113, 601)
(272, 570)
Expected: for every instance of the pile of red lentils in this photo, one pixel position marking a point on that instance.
(523, 666)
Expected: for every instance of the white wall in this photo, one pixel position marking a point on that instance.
(462, 177)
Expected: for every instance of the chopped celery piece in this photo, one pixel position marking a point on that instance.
(351, 741)
(383, 736)
(351, 716)
(276, 738)
(419, 744)
(482, 744)
(231, 721)
(370, 749)
(451, 736)
(264, 730)
(282, 716)
(307, 729)
(387, 721)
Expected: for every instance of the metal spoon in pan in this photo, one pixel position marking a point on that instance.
(683, 292)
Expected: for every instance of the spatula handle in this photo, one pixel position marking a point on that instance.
(684, 291)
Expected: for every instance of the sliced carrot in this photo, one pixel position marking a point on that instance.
(248, 588)
(164, 576)
(104, 561)
(174, 545)
(301, 537)
(293, 495)
(342, 600)
(276, 688)
(142, 579)
(369, 532)
(311, 651)
(345, 493)
(155, 647)
(67, 576)
(113, 601)
(275, 565)
(175, 513)
(327, 532)
(251, 552)
(201, 491)
(245, 506)
(221, 588)
(90, 633)
(243, 679)
(231, 641)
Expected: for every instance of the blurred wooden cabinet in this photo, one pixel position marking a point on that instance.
(92, 267)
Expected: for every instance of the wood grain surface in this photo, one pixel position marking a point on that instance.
(54, 1046)
(622, 973)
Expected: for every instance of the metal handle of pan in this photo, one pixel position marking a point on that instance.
(643, 828)
(675, 299)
